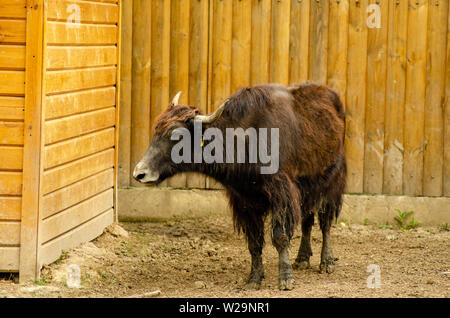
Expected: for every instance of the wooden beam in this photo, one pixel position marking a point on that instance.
(299, 42)
(260, 47)
(395, 99)
(446, 173)
(416, 77)
(117, 121)
(141, 81)
(126, 58)
(32, 141)
(318, 43)
(337, 47)
(356, 95)
(279, 42)
(198, 69)
(179, 63)
(435, 97)
(375, 101)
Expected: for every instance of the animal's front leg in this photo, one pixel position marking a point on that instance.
(250, 221)
(281, 242)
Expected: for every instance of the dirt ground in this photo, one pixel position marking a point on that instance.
(204, 257)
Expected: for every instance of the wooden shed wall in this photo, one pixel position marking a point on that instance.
(12, 92)
(80, 118)
(394, 80)
(59, 71)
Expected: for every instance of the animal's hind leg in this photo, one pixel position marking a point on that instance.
(255, 239)
(281, 242)
(326, 216)
(305, 251)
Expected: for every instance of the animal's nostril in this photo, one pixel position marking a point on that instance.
(140, 176)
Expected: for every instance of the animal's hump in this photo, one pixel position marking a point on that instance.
(248, 99)
(311, 91)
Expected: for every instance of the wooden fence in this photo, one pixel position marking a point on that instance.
(394, 80)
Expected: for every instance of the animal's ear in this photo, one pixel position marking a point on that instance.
(175, 99)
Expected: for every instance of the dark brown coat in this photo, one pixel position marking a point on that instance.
(312, 168)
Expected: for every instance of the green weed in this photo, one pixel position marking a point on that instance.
(402, 220)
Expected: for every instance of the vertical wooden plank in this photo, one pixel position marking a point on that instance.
(140, 109)
(32, 141)
(124, 169)
(375, 101)
(337, 47)
(318, 41)
(260, 51)
(221, 52)
(279, 43)
(198, 69)
(446, 185)
(434, 102)
(356, 95)
(241, 44)
(299, 41)
(199, 54)
(395, 98)
(117, 123)
(210, 53)
(414, 143)
(179, 50)
(221, 59)
(210, 182)
(160, 68)
(179, 63)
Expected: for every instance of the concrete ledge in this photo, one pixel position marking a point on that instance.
(166, 203)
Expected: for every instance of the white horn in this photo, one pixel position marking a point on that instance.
(176, 98)
(208, 119)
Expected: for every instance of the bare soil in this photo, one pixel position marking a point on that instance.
(204, 257)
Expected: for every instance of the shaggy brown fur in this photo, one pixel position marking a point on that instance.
(312, 168)
(172, 118)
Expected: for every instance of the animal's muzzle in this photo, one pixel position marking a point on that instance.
(143, 174)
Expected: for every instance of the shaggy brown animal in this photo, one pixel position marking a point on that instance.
(311, 175)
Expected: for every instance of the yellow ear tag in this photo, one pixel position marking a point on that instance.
(203, 142)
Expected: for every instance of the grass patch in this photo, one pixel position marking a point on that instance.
(145, 220)
(384, 226)
(63, 256)
(43, 281)
(402, 220)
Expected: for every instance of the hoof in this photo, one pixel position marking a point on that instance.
(252, 286)
(286, 284)
(301, 265)
(326, 268)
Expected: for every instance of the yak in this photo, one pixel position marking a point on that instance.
(311, 171)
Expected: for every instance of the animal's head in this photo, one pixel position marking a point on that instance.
(156, 164)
